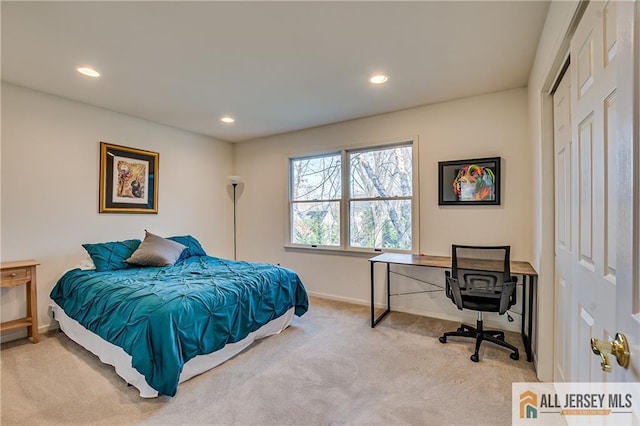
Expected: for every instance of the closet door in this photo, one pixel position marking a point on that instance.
(563, 220)
(595, 179)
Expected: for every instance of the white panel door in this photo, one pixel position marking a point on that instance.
(563, 247)
(605, 190)
(628, 214)
(594, 182)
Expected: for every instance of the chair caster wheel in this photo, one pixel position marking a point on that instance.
(443, 339)
(475, 358)
(514, 356)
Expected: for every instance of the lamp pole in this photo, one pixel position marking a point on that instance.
(235, 256)
(234, 180)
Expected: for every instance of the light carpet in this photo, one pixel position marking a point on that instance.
(328, 367)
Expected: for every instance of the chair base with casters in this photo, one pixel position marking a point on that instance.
(479, 333)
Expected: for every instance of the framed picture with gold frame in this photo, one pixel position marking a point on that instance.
(128, 180)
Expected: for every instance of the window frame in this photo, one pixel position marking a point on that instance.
(291, 202)
(346, 199)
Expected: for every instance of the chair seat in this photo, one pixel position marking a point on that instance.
(483, 304)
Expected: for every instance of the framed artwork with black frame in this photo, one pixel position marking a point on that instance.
(469, 182)
(128, 180)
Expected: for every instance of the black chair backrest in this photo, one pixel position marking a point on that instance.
(481, 277)
(495, 259)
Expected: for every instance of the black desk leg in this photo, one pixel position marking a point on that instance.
(373, 312)
(532, 284)
(528, 296)
(375, 320)
(388, 287)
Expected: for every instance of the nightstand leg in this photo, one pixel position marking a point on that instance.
(32, 307)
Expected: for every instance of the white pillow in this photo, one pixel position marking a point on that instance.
(86, 264)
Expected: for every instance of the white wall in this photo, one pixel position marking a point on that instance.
(548, 58)
(483, 126)
(49, 187)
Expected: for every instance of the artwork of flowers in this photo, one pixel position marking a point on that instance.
(130, 180)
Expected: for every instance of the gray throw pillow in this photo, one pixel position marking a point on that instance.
(156, 251)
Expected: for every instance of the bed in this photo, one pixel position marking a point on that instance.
(161, 325)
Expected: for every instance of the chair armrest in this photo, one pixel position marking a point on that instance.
(514, 299)
(506, 301)
(453, 291)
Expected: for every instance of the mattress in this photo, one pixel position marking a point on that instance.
(113, 355)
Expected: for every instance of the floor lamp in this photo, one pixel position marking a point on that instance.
(234, 181)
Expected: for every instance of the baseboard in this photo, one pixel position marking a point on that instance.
(439, 315)
(342, 299)
(11, 335)
(8, 336)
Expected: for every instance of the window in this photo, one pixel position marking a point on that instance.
(374, 209)
(316, 190)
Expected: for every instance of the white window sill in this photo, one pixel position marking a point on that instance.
(339, 251)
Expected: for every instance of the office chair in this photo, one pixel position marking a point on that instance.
(480, 280)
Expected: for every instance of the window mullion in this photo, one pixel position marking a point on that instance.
(344, 202)
(328, 200)
(404, 197)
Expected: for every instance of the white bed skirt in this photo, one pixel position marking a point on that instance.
(116, 356)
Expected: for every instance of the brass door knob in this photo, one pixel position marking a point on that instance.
(618, 347)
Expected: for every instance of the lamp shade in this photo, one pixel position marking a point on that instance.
(234, 180)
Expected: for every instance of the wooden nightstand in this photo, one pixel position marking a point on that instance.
(14, 274)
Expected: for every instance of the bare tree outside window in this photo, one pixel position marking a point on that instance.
(378, 196)
(316, 189)
(381, 196)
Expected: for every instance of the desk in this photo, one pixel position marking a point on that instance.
(529, 278)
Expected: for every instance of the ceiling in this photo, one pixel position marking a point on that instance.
(274, 66)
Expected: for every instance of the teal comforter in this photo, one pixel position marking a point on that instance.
(163, 317)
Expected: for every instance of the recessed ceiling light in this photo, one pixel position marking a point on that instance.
(89, 72)
(379, 78)
(227, 119)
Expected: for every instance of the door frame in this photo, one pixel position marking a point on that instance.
(544, 349)
(545, 342)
